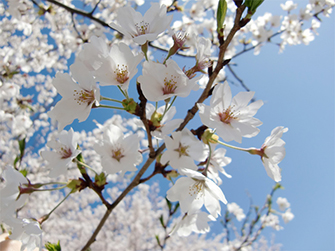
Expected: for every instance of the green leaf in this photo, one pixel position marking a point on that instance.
(176, 207)
(22, 146)
(169, 204)
(53, 247)
(161, 219)
(81, 168)
(100, 179)
(158, 241)
(24, 172)
(16, 160)
(253, 5)
(221, 15)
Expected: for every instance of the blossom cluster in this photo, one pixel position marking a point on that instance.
(35, 134)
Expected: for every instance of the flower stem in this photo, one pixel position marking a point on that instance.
(45, 217)
(168, 106)
(50, 189)
(111, 107)
(123, 92)
(110, 99)
(208, 160)
(85, 165)
(235, 147)
(144, 48)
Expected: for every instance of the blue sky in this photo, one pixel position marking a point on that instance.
(297, 88)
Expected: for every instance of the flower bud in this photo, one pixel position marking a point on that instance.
(156, 119)
(76, 185)
(100, 180)
(209, 136)
(172, 174)
(130, 105)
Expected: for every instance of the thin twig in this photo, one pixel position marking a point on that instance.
(144, 120)
(238, 78)
(133, 184)
(95, 7)
(219, 66)
(80, 12)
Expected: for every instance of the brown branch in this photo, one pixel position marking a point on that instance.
(80, 12)
(91, 184)
(144, 120)
(219, 66)
(133, 184)
(190, 114)
(238, 78)
(268, 205)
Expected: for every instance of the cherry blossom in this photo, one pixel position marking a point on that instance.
(93, 52)
(282, 203)
(118, 67)
(232, 119)
(182, 149)
(142, 28)
(164, 125)
(193, 222)
(200, 191)
(118, 153)
(217, 161)
(64, 151)
(160, 82)
(271, 220)
(28, 232)
(77, 99)
(10, 200)
(203, 47)
(288, 216)
(235, 209)
(274, 152)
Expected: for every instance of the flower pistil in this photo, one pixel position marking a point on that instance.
(170, 85)
(84, 97)
(227, 116)
(142, 28)
(121, 73)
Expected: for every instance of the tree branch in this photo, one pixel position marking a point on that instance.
(80, 12)
(133, 184)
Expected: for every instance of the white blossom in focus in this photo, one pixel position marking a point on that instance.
(193, 222)
(203, 47)
(28, 232)
(77, 99)
(93, 53)
(118, 153)
(182, 149)
(274, 152)
(142, 28)
(9, 190)
(64, 151)
(160, 82)
(118, 67)
(232, 118)
(217, 162)
(164, 125)
(194, 191)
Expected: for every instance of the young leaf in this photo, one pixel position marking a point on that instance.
(253, 5)
(53, 247)
(221, 15)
